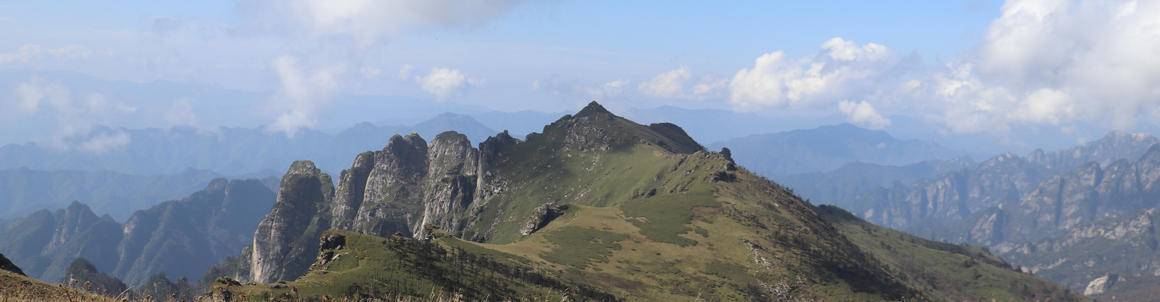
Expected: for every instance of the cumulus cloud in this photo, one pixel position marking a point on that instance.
(444, 83)
(775, 80)
(678, 84)
(843, 50)
(1058, 63)
(669, 84)
(863, 114)
(369, 20)
(608, 89)
(302, 93)
(73, 117)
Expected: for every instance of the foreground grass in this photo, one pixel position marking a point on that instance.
(17, 288)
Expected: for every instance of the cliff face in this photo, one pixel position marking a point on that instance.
(411, 183)
(300, 213)
(641, 212)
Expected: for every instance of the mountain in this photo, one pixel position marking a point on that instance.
(827, 148)
(465, 124)
(1080, 216)
(852, 179)
(83, 275)
(594, 205)
(230, 151)
(180, 238)
(23, 190)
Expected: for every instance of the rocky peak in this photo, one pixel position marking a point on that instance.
(594, 109)
(596, 129)
(286, 238)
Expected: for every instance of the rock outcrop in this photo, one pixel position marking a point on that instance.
(412, 186)
(83, 275)
(541, 216)
(286, 239)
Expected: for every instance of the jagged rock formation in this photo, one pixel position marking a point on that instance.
(7, 265)
(541, 216)
(180, 238)
(1072, 215)
(83, 275)
(650, 214)
(287, 238)
(411, 183)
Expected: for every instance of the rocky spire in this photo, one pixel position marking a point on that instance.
(287, 237)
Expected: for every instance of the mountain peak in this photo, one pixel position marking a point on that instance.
(593, 108)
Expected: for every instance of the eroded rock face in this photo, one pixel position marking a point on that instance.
(541, 216)
(1099, 285)
(287, 238)
(393, 197)
(412, 186)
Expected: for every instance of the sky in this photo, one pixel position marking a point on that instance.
(996, 69)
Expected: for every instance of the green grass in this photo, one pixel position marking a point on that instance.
(399, 268)
(579, 246)
(944, 270)
(665, 218)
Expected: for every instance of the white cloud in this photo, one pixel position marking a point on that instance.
(104, 142)
(775, 80)
(709, 85)
(302, 93)
(669, 84)
(72, 117)
(1046, 106)
(608, 89)
(181, 114)
(863, 114)
(1095, 59)
(444, 83)
(843, 50)
(369, 20)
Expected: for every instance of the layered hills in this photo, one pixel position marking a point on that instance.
(179, 238)
(593, 207)
(1080, 216)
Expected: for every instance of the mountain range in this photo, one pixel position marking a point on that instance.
(594, 207)
(1080, 216)
(23, 190)
(827, 148)
(179, 238)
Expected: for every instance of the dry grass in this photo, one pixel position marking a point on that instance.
(17, 288)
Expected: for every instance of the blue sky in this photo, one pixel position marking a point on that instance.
(992, 68)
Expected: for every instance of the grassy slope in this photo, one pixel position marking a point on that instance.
(403, 268)
(645, 223)
(18, 288)
(651, 225)
(955, 272)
